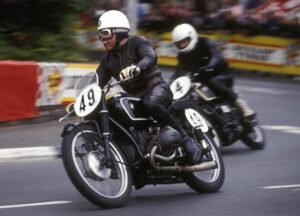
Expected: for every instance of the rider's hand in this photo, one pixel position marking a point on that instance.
(195, 76)
(205, 70)
(130, 72)
(202, 74)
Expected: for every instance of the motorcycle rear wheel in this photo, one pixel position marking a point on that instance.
(83, 156)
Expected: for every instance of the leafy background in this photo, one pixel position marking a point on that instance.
(40, 30)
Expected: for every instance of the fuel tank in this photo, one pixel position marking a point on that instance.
(128, 111)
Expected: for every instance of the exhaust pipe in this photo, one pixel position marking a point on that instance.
(194, 168)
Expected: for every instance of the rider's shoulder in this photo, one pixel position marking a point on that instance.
(202, 39)
(138, 38)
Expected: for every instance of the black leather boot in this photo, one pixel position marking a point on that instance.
(192, 149)
(190, 146)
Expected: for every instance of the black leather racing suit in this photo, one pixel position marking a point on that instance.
(206, 55)
(154, 91)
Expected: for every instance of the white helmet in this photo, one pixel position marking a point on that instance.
(113, 19)
(185, 31)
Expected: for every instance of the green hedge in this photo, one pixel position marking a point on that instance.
(40, 30)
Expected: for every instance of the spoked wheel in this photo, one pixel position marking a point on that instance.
(210, 180)
(254, 138)
(84, 160)
(214, 134)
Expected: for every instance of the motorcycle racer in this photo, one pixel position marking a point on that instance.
(137, 61)
(202, 57)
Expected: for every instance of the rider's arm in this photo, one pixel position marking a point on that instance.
(216, 64)
(104, 75)
(146, 54)
(217, 58)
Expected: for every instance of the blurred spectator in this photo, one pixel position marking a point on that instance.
(230, 14)
(90, 17)
(290, 24)
(163, 15)
(278, 17)
(151, 16)
(252, 4)
(270, 17)
(211, 19)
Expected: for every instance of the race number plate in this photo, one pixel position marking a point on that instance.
(88, 100)
(180, 87)
(196, 120)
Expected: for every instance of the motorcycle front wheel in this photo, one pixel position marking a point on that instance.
(208, 181)
(254, 138)
(83, 157)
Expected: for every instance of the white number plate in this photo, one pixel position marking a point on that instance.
(88, 100)
(180, 87)
(196, 120)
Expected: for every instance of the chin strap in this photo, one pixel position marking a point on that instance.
(120, 35)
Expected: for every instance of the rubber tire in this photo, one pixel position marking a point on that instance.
(203, 186)
(76, 179)
(253, 144)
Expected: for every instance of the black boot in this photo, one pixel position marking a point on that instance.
(190, 146)
(192, 149)
(245, 108)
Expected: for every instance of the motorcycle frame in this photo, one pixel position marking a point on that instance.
(104, 130)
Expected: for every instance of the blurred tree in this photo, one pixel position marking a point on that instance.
(40, 30)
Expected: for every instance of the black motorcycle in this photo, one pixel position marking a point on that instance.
(115, 145)
(225, 120)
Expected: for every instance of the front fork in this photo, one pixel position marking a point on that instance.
(104, 124)
(202, 139)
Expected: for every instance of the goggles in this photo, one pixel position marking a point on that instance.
(105, 34)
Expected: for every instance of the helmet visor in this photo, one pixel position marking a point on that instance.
(183, 43)
(105, 34)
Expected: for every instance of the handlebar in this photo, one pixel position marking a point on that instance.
(113, 83)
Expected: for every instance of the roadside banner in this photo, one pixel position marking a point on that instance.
(261, 53)
(50, 81)
(72, 73)
(18, 90)
(258, 53)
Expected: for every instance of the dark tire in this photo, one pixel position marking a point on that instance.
(108, 188)
(255, 139)
(214, 133)
(211, 180)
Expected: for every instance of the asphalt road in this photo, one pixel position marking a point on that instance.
(265, 183)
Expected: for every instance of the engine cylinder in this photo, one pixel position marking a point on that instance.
(169, 138)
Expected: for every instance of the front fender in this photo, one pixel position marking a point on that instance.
(70, 127)
(184, 104)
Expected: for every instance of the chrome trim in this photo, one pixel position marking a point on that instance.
(124, 108)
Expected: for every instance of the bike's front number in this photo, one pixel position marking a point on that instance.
(88, 100)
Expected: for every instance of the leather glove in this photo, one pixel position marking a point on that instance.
(130, 72)
(202, 74)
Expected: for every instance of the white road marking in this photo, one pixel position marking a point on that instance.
(283, 128)
(44, 151)
(282, 186)
(262, 90)
(35, 204)
(294, 131)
